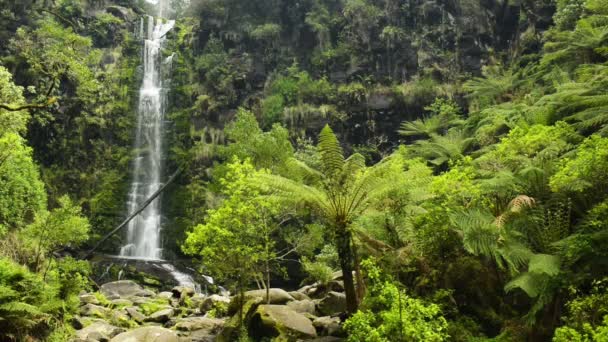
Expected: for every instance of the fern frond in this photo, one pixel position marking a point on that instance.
(521, 202)
(332, 155)
(529, 283)
(544, 264)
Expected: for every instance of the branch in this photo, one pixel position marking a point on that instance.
(135, 213)
(49, 102)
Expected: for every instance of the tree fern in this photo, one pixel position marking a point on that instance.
(344, 189)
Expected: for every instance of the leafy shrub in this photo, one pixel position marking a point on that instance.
(32, 304)
(272, 109)
(317, 271)
(587, 171)
(587, 318)
(388, 314)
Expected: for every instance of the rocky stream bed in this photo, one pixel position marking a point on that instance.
(124, 311)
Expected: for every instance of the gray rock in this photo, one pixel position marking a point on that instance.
(327, 339)
(298, 295)
(302, 306)
(209, 325)
(98, 331)
(136, 315)
(120, 318)
(200, 336)
(122, 289)
(139, 300)
(277, 296)
(332, 304)
(281, 320)
(197, 300)
(88, 298)
(92, 310)
(161, 316)
(146, 293)
(165, 294)
(147, 334)
(183, 292)
(213, 301)
(121, 302)
(336, 285)
(327, 326)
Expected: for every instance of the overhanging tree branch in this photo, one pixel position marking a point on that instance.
(28, 106)
(135, 213)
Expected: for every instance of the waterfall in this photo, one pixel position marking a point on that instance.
(144, 231)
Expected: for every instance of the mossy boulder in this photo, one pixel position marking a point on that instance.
(92, 310)
(98, 331)
(332, 304)
(123, 289)
(231, 327)
(282, 323)
(276, 296)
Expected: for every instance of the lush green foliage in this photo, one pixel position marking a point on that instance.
(387, 313)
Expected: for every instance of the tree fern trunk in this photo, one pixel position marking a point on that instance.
(345, 253)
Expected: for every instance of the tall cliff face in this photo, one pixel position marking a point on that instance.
(386, 59)
(389, 39)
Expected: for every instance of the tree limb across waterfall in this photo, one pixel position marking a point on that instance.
(49, 102)
(135, 213)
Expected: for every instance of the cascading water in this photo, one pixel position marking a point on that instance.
(143, 232)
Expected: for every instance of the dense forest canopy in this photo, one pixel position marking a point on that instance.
(428, 170)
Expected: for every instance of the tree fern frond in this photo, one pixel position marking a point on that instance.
(521, 202)
(423, 127)
(531, 284)
(304, 171)
(332, 155)
(544, 264)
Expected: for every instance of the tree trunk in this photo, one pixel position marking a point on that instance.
(345, 253)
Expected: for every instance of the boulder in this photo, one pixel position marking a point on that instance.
(279, 320)
(302, 306)
(121, 318)
(139, 300)
(200, 336)
(146, 293)
(183, 292)
(209, 325)
(336, 285)
(98, 331)
(147, 334)
(197, 300)
(121, 302)
(332, 304)
(136, 315)
(88, 298)
(231, 327)
(122, 289)
(298, 295)
(161, 316)
(214, 301)
(277, 296)
(165, 295)
(93, 310)
(327, 326)
(327, 339)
